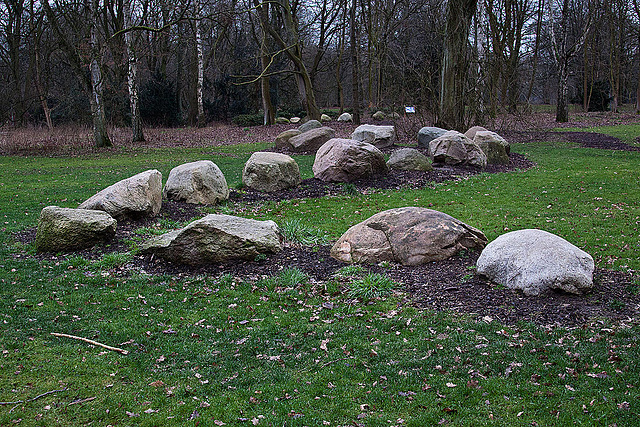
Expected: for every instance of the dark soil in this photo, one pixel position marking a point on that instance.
(449, 285)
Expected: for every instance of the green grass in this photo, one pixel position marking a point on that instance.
(284, 350)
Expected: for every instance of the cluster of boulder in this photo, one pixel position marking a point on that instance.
(532, 261)
(476, 147)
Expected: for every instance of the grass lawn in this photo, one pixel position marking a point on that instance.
(284, 350)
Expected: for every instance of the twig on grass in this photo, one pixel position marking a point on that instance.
(108, 347)
(78, 402)
(18, 402)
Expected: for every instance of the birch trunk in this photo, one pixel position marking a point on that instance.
(200, 120)
(355, 75)
(267, 105)
(100, 134)
(132, 76)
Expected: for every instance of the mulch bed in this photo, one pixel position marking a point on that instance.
(449, 285)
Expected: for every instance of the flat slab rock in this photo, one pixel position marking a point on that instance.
(216, 238)
(410, 236)
(65, 229)
(135, 197)
(536, 261)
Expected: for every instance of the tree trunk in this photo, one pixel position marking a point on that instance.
(455, 64)
(265, 87)
(562, 107)
(100, 134)
(355, 75)
(132, 76)
(200, 118)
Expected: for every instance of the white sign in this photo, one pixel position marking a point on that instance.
(409, 109)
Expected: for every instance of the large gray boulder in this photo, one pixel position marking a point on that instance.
(345, 117)
(409, 159)
(428, 134)
(471, 132)
(282, 140)
(494, 146)
(135, 197)
(453, 148)
(410, 236)
(345, 160)
(216, 238)
(380, 136)
(311, 124)
(270, 172)
(379, 116)
(64, 229)
(309, 141)
(200, 182)
(535, 261)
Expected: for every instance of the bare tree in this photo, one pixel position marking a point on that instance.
(455, 64)
(132, 74)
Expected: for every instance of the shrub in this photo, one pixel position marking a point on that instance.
(245, 120)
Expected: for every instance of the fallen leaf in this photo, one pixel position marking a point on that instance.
(451, 385)
(156, 384)
(131, 414)
(219, 423)
(150, 411)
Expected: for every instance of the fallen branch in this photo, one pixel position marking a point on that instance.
(77, 402)
(333, 361)
(18, 402)
(108, 347)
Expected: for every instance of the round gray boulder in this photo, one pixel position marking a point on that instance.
(345, 117)
(535, 261)
(380, 136)
(471, 132)
(409, 159)
(494, 146)
(282, 140)
(453, 148)
(135, 197)
(345, 160)
(310, 140)
(270, 172)
(64, 229)
(428, 134)
(410, 236)
(199, 182)
(311, 124)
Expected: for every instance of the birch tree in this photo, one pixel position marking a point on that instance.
(132, 73)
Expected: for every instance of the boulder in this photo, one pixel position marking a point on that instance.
(379, 116)
(325, 118)
(494, 146)
(270, 172)
(453, 148)
(345, 117)
(380, 136)
(471, 133)
(409, 159)
(282, 121)
(311, 124)
(310, 141)
(395, 116)
(282, 140)
(410, 236)
(294, 120)
(428, 134)
(535, 261)
(345, 160)
(64, 229)
(135, 197)
(199, 182)
(216, 238)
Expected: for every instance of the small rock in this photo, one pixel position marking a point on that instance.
(311, 124)
(345, 117)
(409, 159)
(380, 136)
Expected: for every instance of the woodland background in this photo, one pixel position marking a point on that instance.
(159, 63)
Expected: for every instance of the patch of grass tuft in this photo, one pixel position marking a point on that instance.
(292, 277)
(296, 232)
(372, 285)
